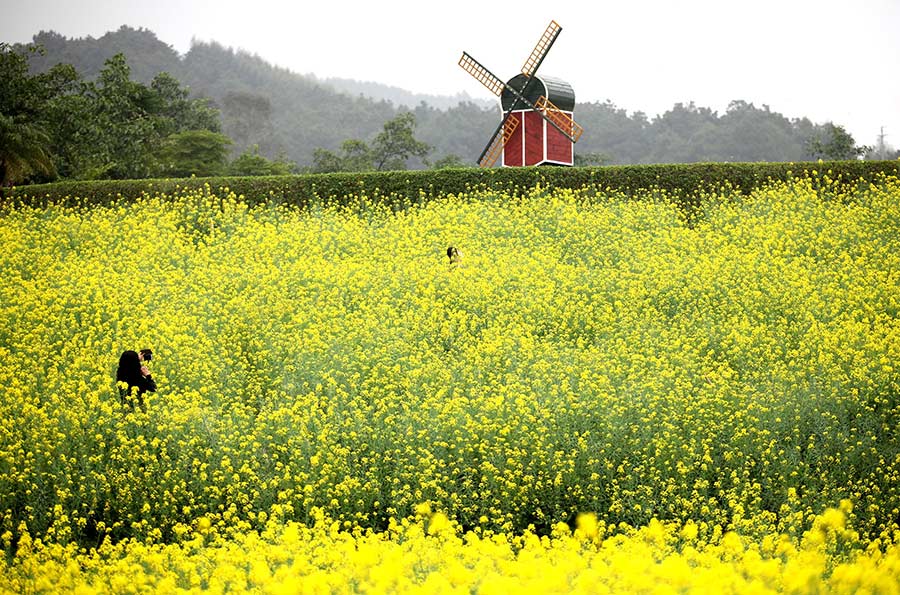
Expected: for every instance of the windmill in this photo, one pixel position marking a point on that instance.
(537, 125)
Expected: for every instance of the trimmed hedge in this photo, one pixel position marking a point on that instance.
(401, 188)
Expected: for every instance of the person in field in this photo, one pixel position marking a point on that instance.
(134, 379)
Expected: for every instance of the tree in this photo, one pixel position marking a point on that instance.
(390, 149)
(675, 135)
(834, 142)
(74, 137)
(396, 143)
(122, 123)
(247, 117)
(117, 128)
(110, 128)
(450, 161)
(251, 163)
(583, 159)
(23, 151)
(326, 162)
(355, 156)
(749, 133)
(25, 141)
(199, 153)
(171, 103)
(612, 132)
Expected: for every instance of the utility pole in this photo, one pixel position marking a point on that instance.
(881, 152)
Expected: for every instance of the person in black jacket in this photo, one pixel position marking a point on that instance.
(133, 373)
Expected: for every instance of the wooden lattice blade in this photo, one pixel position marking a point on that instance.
(481, 74)
(563, 121)
(494, 148)
(541, 48)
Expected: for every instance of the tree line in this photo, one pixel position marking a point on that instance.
(74, 112)
(56, 125)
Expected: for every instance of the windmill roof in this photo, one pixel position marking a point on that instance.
(558, 91)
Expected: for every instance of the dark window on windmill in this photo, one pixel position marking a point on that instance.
(537, 127)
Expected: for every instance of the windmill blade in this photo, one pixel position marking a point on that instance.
(482, 74)
(498, 141)
(541, 48)
(559, 118)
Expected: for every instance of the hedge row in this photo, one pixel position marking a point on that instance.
(398, 188)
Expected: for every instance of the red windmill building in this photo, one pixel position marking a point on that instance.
(537, 126)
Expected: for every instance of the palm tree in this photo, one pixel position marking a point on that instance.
(23, 150)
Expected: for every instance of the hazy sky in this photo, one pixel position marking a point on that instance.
(825, 59)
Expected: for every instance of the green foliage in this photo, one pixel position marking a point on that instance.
(195, 153)
(147, 55)
(355, 155)
(458, 130)
(125, 128)
(689, 133)
(177, 111)
(396, 143)
(833, 142)
(279, 110)
(450, 161)
(585, 159)
(399, 189)
(25, 142)
(113, 127)
(325, 161)
(247, 118)
(251, 163)
(389, 151)
(23, 151)
(122, 132)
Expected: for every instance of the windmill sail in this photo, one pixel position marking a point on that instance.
(559, 118)
(501, 136)
(482, 74)
(541, 48)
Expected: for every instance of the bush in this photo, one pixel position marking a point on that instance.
(400, 188)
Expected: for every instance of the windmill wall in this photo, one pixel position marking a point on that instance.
(536, 142)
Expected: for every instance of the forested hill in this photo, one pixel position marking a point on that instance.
(401, 97)
(293, 114)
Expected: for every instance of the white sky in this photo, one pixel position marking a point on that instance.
(827, 60)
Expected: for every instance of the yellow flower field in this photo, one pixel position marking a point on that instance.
(603, 395)
(431, 556)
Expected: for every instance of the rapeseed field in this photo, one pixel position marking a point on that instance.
(601, 394)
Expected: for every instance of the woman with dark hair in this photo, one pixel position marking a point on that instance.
(133, 373)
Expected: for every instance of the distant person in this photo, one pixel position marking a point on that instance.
(454, 255)
(136, 375)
